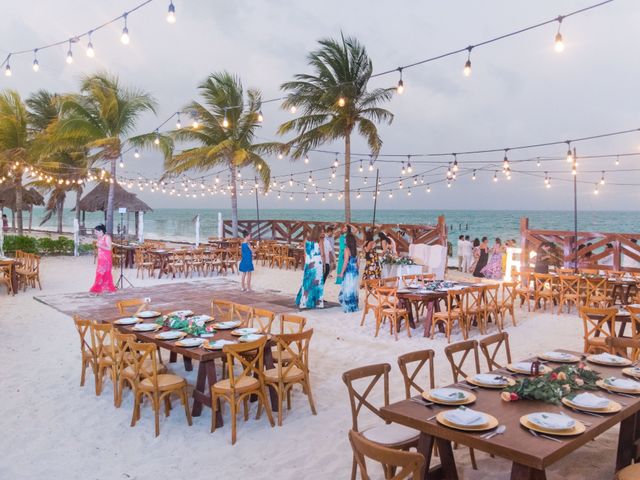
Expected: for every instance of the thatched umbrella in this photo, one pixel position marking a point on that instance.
(96, 201)
(30, 197)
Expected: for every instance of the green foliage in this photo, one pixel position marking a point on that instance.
(42, 246)
(553, 386)
(20, 242)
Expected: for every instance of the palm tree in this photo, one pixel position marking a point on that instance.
(15, 142)
(100, 118)
(334, 101)
(226, 134)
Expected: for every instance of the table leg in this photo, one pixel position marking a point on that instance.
(615, 294)
(522, 472)
(447, 460)
(268, 364)
(429, 318)
(622, 328)
(201, 392)
(14, 279)
(188, 365)
(626, 442)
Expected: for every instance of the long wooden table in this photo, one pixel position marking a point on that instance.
(206, 376)
(13, 274)
(530, 456)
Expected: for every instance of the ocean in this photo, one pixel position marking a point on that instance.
(177, 224)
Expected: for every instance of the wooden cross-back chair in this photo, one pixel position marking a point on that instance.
(507, 303)
(157, 387)
(263, 319)
(143, 262)
(221, 310)
(598, 323)
(5, 277)
(104, 348)
(491, 305)
(464, 349)
(569, 291)
(131, 306)
(412, 279)
(625, 347)
(236, 389)
(389, 309)
(291, 323)
(285, 375)
(87, 353)
(396, 464)
(491, 347)
(124, 362)
(634, 319)
(597, 292)
(391, 435)
(410, 371)
(543, 290)
(243, 313)
(449, 316)
(472, 309)
(523, 288)
(370, 299)
(390, 282)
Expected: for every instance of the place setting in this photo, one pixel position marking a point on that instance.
(559, 357)
(490, 380)
(127, 321)
(609, 360)
(466, 419)
(589, 403)
(148, 314)
(228, 325)
(621, 386)
(544, 424)
(528, 368)
(146, 327)
(217, 344)
(449, 396)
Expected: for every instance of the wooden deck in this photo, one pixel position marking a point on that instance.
(192, 295)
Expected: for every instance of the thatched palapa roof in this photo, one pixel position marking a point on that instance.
(30, 197)
(96, 200)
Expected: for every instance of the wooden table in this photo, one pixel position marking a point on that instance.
(13, 274)
(622, 289)
(530, 456)
(206, 363)
(414, 298)
(161, 258)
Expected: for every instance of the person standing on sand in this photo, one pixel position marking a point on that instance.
(483, 258)
(104, 280)
(348, 296)
(311, 291)
(493, 269)
(459, 249)
(475, 255)
(329, 258)
(246, 262)
(346, 228)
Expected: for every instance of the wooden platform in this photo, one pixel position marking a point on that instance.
(193, 295)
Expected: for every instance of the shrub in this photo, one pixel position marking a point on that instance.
(20, 242)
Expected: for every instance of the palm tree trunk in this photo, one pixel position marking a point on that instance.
(234, 201)
(78, 195)
(19, 202)
(347, 179)
(112, 187)
(60, 212)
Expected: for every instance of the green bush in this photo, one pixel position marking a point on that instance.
(43, 246)
(46, 246)
(20, 242)
(86, 248)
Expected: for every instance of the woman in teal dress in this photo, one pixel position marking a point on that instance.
(312, 289)
(341, 246)
(348, 296)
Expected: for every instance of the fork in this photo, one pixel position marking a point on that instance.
(584, 412)
(466, 386)
(421, 402)
(536, 434)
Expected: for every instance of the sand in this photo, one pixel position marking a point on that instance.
(53, 428)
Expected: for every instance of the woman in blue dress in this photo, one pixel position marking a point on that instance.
(348, 296)
(312, 289)
(246, 262)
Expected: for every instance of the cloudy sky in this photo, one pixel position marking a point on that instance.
(520, 91)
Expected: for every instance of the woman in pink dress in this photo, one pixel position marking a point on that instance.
(104, 280)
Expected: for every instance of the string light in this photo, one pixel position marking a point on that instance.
(455, 163)
(449, 171)
(260, 116)
(280, 156)
(157, 139)
(403, 170)
(69, 54)
(409, 168)
(495, 176)
(559, 44)
(360, 168)
(602, 179)
(400, 87)
(617, 161)
(428, 188)
(136, 153)
(225, 121)
(178, 123)
(474, 176)
(467, 66)
(538, 163)
(292, 109)
(121, 162)
(89, 51)
(124, 38)
(36, 65)
(341, 102)
(171, 14)
(569, 153)
(505, 162)
(595, 191)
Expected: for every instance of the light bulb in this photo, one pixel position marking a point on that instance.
(409, 168)
(595, 191)
(400, 87)
(360, 168)
(559, 44)
(602, 179)
(341, 102)
(371, 165)
(455, 165)
(69, 56)
(448, 183)
(495, 177)
(195, 123)
(36, 66)
(7, 70)
(121, 164)
(260, 117)
(474, 176)
(569, 156)
(136, 153)
(280, 156)
(467, 68)
(538, 163)
(90, 52)
(428, 188)
(306, 159)
(157, 139)
(225, 122)
(124, 38)
(178, 124)
(171, 14)
(292, 109)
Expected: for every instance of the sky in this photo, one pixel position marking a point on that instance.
(520, 90)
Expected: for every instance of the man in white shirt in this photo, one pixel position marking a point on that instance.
(467, 254)
(329, 258)
(459, 251)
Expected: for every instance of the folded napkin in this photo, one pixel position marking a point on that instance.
(522, 366)
(558, 355)
(490, 379)
(251, 337)
(623, 383)
(465, 417)
(551, 421)
(607, 357)
(448, 394)
(590, 400)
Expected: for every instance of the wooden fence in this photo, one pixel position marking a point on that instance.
(296, 231)
(605, 251)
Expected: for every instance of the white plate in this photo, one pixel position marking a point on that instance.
(454, 417)
(182, 313)
(561, 356)
(551, 421)
(218, 344)
(127, 321)
(190, 342)
(145, 327)
(245, 331)
(204, 318)
(170, 335)
(252, 337)
(148, 314)
(490, 379)
(449, 394)
(226, 325)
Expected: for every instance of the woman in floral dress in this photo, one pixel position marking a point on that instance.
(493, 269)
(312, 289)
(104, 279)
(348, 296)
(371, 259)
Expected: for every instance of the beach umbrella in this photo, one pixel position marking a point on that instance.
(141, 226)
(197, 230)
(76, 236)
(219, 225)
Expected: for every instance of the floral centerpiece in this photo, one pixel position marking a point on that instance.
(188, 325)
(553, 386)
(389, 259)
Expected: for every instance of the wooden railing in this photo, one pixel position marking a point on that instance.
(601, 250)
(296, 231)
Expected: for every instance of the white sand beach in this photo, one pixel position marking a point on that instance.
(53, 428)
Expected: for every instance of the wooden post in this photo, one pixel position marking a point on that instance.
(442, 230)
(617, 256)
(524, 256)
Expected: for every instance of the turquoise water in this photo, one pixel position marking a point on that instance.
(178, 223)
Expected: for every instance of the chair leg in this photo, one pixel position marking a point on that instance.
(307, 386)
(263, 399)
(214, 411)
(185, 402)
(246, 408)
(234, 420)
(156, 413)
(136, 408)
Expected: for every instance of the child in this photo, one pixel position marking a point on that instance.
(246, 262)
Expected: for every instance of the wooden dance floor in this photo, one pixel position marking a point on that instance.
(192, 295)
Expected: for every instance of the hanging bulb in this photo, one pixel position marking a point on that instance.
(602, 179)
(569, 154)
(178, 123)
(467, 66)
(69, 54)
(455, 163)
(342, 102)
(121, 163)
(371, 165)
(595, 191)
(225, 122)
(400, 87)
(538, 163)
(7, 70)
(291, 181)
(505, 162)
(364, 180)
(358, 194)
(260, 117)
(390, 194)
(336, 162)
(280, 156)
(306, 197)
(136, 153)
(171, 14)
(360, 168)
(474, 176)
(428, 188)
(403, 171)
(559, 44)
(495, 176)
(617, 158)
(124, 38)
(448, 183)
(36, 65)
(409, 168)
(306, 159)
(157, 139)
(408, 192)
(195, 123)
(292, 109)
(310, 178)
(449, 171)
